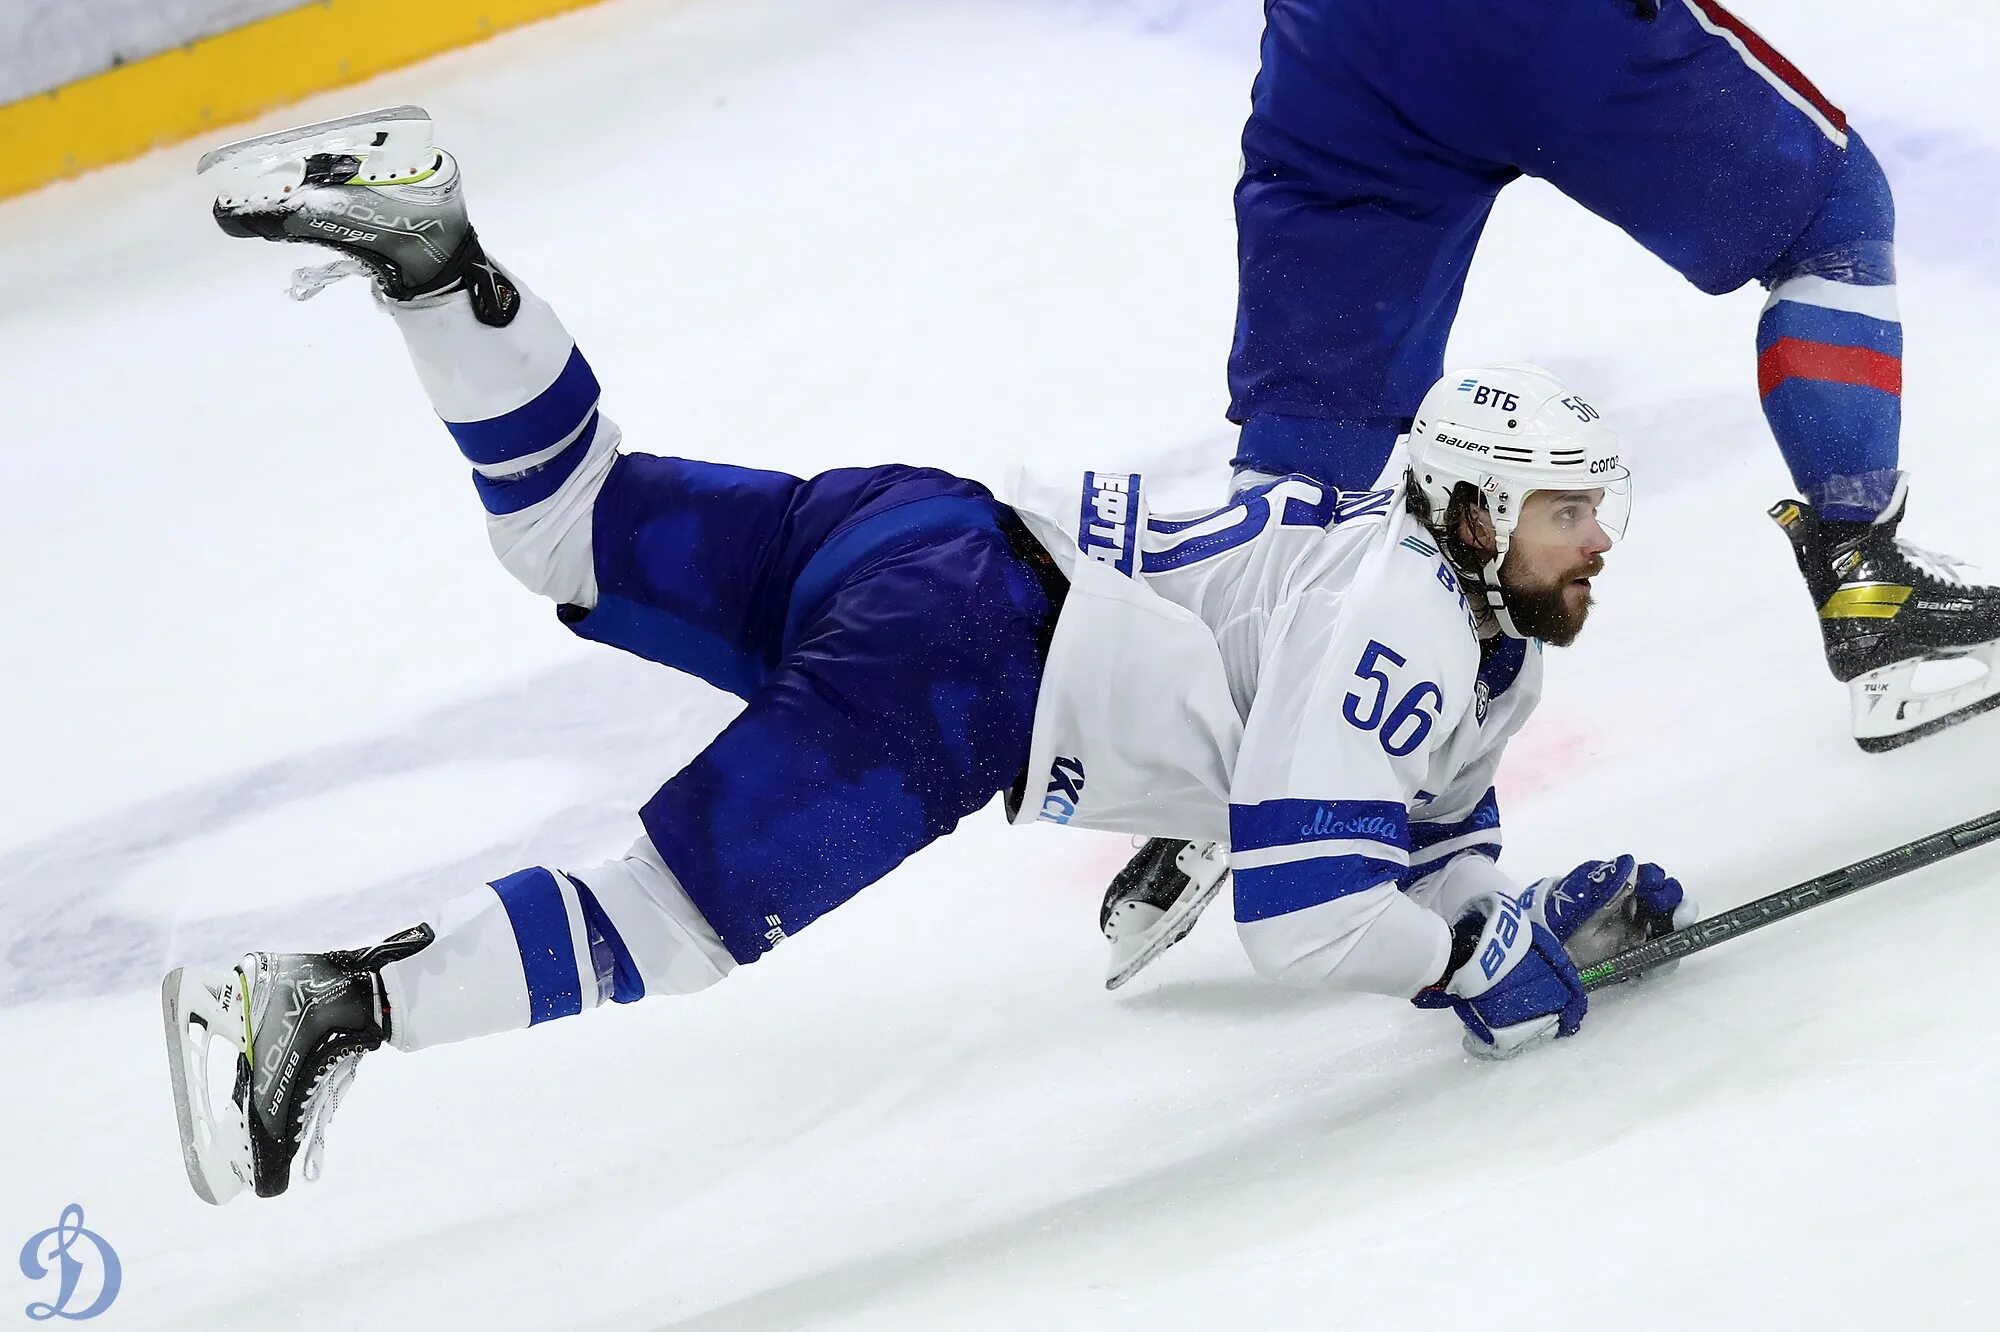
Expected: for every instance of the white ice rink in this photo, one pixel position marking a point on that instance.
(266, 687)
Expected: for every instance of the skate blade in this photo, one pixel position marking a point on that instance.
(394, 144)
(1898, 704)
(215, 1151)
(1129, 958)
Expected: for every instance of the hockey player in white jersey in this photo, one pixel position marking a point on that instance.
(1323, 681)
(1675, 122)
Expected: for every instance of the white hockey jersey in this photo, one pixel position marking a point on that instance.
(1296, 675)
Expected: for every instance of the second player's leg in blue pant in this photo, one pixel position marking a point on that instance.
(1362, 198)
(879, 624)
(1381, 130)
(1709, 148)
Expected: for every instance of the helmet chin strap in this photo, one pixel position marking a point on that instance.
(1496, 599)
(1491, 596)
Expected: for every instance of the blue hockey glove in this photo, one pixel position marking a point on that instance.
(1510, 982)
(1603, 907)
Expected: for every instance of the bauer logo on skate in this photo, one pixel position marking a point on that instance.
(84, 1267)
(1107, 530)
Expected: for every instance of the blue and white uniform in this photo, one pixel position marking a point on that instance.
(1297, 674)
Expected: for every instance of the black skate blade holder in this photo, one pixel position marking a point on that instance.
(394, 142)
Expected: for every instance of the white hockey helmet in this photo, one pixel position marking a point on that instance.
(1509, 429)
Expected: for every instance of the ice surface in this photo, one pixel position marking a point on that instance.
(269, 689)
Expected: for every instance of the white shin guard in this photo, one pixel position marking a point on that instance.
(473, 372)
(475, 978)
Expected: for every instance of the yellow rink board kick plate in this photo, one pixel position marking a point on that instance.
(232, 76)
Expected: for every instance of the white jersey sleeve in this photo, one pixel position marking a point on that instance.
(1363, 687)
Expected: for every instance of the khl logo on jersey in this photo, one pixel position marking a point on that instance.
(1065, 790)
(1108, 530)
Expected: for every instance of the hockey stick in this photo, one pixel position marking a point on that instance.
(1790, 901)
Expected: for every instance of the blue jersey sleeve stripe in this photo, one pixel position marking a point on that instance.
(1486, 842)
(1277, 890)
(534, 903)
(1421, 870)
(1340, 846)
(548, 418)
(1485, 815)
(1291, 822)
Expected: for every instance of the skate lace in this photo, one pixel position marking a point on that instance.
(321, 1100)
(1945, 568)
(310, 282)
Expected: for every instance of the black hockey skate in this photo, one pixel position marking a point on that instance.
(299, 1023)
(1156, 899)
(1892, 615)
(372, 187)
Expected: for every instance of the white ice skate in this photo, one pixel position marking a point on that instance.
(1912, 699)
(376, 189)
(393, 146)
(297, 1024)
(1156, 899)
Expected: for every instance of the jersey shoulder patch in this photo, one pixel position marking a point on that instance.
(1418, 569)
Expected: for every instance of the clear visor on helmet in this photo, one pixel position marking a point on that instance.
(1563, 516)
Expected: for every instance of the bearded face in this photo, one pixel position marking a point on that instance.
(1557, 548)
(1552, 609)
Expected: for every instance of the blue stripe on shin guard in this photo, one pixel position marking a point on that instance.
(543, 422)
(534, 902)
(524, 490)
(1829, 422)
(617, 974)
(1485, 816)
(1831, 378)
(1836, 328)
